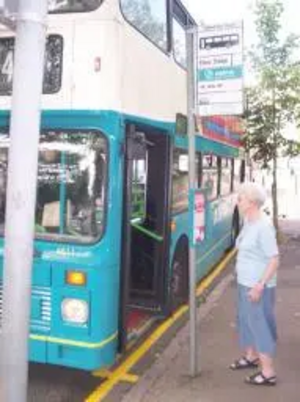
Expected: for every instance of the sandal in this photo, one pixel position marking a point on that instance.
(260, 379)
(244, 363)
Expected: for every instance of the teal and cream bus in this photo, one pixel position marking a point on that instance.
(111, 246)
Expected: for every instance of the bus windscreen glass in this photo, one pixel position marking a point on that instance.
(71, 187)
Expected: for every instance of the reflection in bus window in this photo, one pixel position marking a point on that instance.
(52, 68)
(71, 193)
(179, 39)
(70, 6)
(149, 17)
(210, 176)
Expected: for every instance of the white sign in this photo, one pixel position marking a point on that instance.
(220, 69)
(221, 98)
(219, 86)
(215, 61)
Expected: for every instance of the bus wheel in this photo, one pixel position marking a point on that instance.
(180, 276)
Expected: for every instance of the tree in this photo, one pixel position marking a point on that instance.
(274, 100)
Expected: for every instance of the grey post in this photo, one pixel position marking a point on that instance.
(21, 197)
(192, 252)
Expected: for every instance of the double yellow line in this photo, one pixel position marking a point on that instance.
(122, 372)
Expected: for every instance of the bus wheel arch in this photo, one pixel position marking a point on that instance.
(179, 283)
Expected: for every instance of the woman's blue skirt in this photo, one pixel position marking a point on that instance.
(256, 321)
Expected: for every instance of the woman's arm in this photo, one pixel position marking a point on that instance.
(256, 292)
(270, 270)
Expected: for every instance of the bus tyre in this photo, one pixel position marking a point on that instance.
(180, 278)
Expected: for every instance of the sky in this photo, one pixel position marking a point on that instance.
(231, 10)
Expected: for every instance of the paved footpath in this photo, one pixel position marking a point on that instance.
(168, 380)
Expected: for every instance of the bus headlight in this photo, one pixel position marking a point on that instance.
(75, 311)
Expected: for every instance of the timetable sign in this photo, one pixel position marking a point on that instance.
(220, 69)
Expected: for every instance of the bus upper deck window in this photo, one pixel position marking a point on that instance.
(150, 18)
(73, 6)
(52, 69)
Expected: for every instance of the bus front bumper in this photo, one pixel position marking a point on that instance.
(70, 353)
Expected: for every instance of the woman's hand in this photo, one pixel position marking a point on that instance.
(256, 292)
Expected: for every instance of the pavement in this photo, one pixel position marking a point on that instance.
(168, 379)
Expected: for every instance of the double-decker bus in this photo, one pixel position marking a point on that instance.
(111, 244)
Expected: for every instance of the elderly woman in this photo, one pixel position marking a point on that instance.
(256, 266)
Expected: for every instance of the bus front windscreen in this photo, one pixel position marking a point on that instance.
(72, 182)
(73, 6)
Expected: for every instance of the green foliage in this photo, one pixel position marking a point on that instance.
(274, 100)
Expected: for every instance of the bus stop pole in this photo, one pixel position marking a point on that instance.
(191, 148)
(21, 197)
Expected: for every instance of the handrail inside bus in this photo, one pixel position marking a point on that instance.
(147, 232)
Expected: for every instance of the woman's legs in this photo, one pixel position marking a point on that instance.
(251, 354)
(257, 329)
(267, 365)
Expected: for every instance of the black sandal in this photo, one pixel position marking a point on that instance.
(260, 379)
(244, 363)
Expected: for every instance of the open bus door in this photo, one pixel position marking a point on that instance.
(145, 235)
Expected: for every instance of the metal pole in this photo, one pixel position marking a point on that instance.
(192, 252)
(21, 197)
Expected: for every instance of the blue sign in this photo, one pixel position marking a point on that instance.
(221, 73)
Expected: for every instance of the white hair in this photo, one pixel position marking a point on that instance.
(253, 192)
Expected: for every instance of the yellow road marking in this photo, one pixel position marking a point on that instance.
(102, 373)
(131, 378)
(106, 374)
(122, 371)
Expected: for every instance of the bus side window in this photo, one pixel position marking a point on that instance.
(237, 174)
(180, 181)
(179, 43)
(139, 188)
(198, 183)
(232, 175)
(210, 176)
(226, 176)
(242, 171)
(150, 18)
(219, 164)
